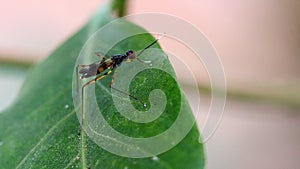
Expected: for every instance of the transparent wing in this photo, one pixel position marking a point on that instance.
(89, 70)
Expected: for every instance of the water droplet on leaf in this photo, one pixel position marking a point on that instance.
(155, 158)
(66, 106)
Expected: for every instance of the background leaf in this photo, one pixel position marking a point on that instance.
(40, 130)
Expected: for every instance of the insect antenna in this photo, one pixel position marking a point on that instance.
(151, 44)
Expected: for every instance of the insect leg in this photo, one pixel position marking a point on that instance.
(82, 94)
(77, 67)
(111, 83)
(142, 61)
(101, 56)
(121, 91)
(83, 113)
(113, 78)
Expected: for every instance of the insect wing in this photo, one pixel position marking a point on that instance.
(89, 70)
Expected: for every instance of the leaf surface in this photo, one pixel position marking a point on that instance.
(40, 130)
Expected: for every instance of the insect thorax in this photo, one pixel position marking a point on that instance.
(118, 59)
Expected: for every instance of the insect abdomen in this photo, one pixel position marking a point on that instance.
(104, 66)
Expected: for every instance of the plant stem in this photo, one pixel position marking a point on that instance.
(120, 7)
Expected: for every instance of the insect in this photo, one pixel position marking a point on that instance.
(105, 66)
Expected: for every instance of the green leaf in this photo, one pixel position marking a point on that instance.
(41, 129)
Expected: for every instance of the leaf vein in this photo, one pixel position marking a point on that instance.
(44, 137)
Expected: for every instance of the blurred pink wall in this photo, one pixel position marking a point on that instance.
(258, 41)
(33, 28)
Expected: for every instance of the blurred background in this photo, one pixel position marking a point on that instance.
(258, 44)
